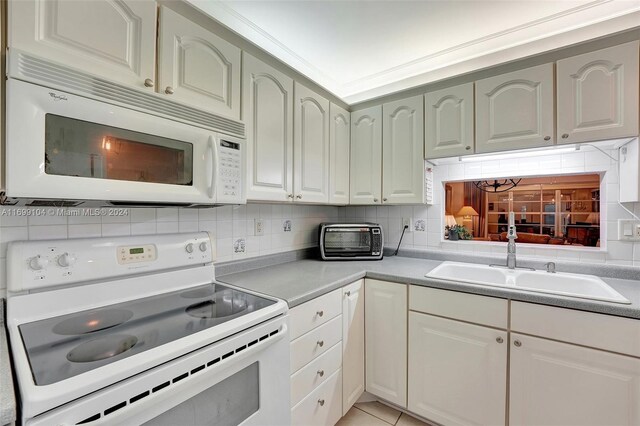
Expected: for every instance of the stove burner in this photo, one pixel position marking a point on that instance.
(199, 293)
(102, 348)
(92, 321)
(218, 308)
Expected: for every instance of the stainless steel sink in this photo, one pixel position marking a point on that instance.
(564, 284)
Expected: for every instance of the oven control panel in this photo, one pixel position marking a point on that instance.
(39, 264)
(231, 165)
(135, 254)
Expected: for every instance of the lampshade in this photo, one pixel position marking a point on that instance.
(449, 220)
(467, 211)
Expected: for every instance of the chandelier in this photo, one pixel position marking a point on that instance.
(501, 185)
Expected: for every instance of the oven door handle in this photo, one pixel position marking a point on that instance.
(212, 167)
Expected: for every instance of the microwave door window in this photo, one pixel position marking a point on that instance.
(347, 241)
(83, 149)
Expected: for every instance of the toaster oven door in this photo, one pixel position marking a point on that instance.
(347, 242)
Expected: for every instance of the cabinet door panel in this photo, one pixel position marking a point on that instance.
(366, 156)
(449, 122)
(515, 110)
(403, 152)
(311, 146)
(339, 144)
(202, 69)
(457, 371)
(352, 344)
(386, 340)
(598, 95)
(73, 33)
(268, 114)
(555, 383)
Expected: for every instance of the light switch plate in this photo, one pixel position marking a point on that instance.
(628, 230)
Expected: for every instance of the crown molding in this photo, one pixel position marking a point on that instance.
(589, 21)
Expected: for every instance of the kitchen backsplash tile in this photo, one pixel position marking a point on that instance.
(233, 227)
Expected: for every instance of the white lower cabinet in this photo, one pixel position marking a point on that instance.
(352, 344)
(457, 371)
(554, 383)
(321, 407)
(327, 356)
(386, 340)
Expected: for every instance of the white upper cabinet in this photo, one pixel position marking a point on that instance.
(598, 95)
(449, 122)
(115, 40)
(267, 110)
(366, 156)
(311, 146)
(403, 151)
(515, 110)
(339, 142)
(197, 67)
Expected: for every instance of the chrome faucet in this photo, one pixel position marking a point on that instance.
(511, 245)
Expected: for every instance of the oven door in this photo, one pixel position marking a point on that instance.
(63, 146)
(243, 380)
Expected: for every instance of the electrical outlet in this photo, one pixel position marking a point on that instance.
(637, 232)
(259, 227)
(407, 222)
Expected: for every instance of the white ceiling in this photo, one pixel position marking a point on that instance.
(360, 49)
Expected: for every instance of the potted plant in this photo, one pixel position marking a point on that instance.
(457, 232)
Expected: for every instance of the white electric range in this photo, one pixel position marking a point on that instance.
(135, 330)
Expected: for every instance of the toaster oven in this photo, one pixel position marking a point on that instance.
(351, 241)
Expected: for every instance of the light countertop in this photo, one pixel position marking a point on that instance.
(299, 281)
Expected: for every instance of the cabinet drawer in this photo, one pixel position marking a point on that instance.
(315, 343)
(483, 310)
(600, 331)
(315, 373)
(323, 407)
(308, 316)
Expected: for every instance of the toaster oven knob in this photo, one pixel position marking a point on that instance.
(66, 260)
(38, 263)
(189, 248)
(203, 247)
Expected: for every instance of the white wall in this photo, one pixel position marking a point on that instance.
(229, 224)
(586, 160)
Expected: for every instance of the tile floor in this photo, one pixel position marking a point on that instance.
(377, 414)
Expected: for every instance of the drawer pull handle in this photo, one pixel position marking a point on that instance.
(321, 402)
(499, 339)
(518, 343)
(320, 343)
(565, 135)
(547, 138)
(348, 293)
(320, 313)
(320, 373)
(148, 82)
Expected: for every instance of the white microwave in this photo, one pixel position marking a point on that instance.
(65, 149)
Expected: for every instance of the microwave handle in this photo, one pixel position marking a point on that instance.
(212, 166)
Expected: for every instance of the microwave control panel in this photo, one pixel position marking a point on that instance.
(231, 165)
